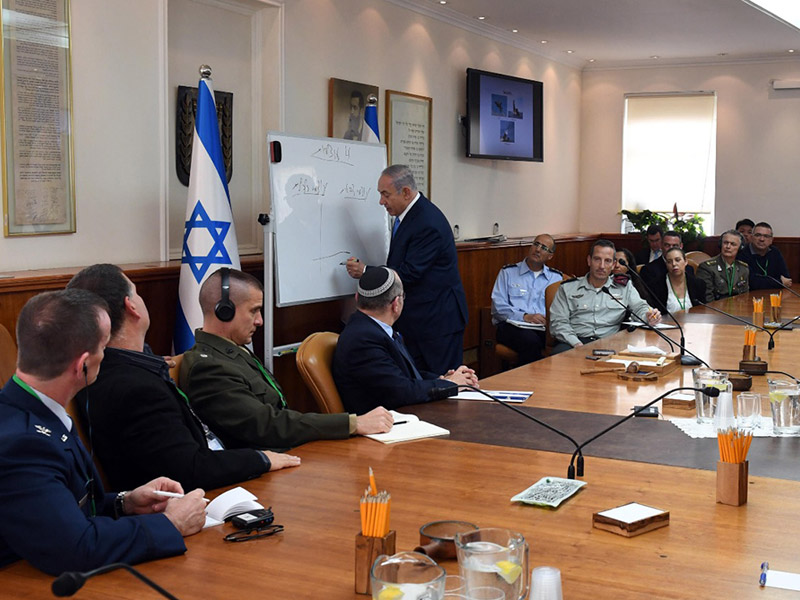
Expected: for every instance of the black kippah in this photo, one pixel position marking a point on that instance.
(375, 281)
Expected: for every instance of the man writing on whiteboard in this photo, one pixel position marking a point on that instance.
(423, 254)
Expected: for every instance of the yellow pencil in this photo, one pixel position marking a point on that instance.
(372, 487)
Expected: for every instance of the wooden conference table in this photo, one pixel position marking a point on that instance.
(709, 550)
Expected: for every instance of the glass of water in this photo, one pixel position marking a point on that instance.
(784, 400)
(407, 575)
(494, 558)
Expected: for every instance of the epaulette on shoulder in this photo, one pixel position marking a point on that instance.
(571, 280)
(556, 271)
(742, 263)
(509, 266)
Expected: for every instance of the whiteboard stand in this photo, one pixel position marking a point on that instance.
(269, 290)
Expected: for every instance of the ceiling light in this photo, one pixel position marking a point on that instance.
(654, 56)
(791, 50)
(481, 18)
(515, 31)
(591, 60)
(570, 51)
(442, 1)
(544, 41)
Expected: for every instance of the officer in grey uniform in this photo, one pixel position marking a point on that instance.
(583, 311)
(723, 275)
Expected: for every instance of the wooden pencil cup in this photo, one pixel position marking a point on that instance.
(367, 550)
(748, 352)
(732, 483)
(758, 319)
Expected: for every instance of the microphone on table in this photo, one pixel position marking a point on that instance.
(685, 360)
(70, 582)
(708, 391)
(780, 283)
(771, 334)
(657, 331)
(440, 393)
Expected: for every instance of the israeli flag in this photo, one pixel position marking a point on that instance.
(209, 239)
(371, 121)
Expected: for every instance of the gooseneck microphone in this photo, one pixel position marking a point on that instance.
(692, 361)
(657, 331)
(771, 334)
(780, 283)
(446, 392)
(70, 582)
(708, 391)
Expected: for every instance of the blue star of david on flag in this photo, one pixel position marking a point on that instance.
(217, 254)
(209, 238)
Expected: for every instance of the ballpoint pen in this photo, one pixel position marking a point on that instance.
(762, 579)
(174, 495)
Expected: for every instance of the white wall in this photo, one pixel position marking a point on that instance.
(117, 124)
(378, 43)
(758, 141)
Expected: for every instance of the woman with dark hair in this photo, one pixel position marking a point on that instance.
(679, 290)
(622, 276)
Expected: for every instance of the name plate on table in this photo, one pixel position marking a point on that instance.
(631, 519)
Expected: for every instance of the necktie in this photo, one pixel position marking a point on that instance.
(395, 226)
(398, 340)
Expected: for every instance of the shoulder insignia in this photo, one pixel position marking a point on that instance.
(556, 271)
(573, 279)
(508, 266)
(43, 430)
(742, 263)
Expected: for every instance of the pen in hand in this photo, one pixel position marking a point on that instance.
(174, 495)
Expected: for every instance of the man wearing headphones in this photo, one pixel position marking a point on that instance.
(723, 275)
(234, 393)
(54, 512)
(140, 423)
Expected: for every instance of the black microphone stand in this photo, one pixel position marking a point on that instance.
(780, 283)
(452, 391)
(771, 334)
(656, 330)
(709, 391)
(70, 582)
(691, 361)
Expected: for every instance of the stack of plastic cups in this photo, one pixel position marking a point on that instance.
(723, 417)
(546, 584)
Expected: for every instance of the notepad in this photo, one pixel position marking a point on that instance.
(526, 325)
(504, 395)
(408, 427)
(232, 502)
(630, 519)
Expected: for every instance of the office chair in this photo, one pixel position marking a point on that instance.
(315, 362)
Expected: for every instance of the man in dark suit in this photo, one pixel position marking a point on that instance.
(371, 364)
(423, 253)
(141, 423)
(654, 273)
(54, 512)
(653, 251)
(235, 394)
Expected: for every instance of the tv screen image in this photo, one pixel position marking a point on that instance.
(504, 117)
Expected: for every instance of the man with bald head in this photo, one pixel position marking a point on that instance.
(518, 298)
(234, 392)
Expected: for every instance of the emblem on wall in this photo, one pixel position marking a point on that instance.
(185, 111)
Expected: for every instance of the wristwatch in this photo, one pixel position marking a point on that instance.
(119, 505)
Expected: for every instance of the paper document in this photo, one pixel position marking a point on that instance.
(646, 350)
(408, 427)
(504, 395)
(659, 326)
(232, 502)
(630, 513)
(525, 325)
(783, 580)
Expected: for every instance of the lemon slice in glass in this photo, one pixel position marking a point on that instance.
(508, 570)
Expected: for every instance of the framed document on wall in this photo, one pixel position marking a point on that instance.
(409, 124)
(38, 169)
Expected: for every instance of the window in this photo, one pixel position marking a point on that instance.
(670, 153)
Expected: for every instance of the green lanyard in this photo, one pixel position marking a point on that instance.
(681, 304)
(730, 280)
(90, 483)
(269, 379)
(764, 268)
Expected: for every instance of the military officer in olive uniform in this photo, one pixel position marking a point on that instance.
(723, 275)
(591, 307)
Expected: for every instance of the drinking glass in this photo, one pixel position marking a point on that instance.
(707, 405)
(407, 575)
(784, 400)
(748, 410)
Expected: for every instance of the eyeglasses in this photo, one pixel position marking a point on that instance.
(762, 235)
(542, 247)
(245, 535)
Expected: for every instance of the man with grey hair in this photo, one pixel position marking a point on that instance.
(723, 275)
(423, 253)
(371, 363)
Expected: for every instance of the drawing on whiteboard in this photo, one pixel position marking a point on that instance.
(331, 153)
(352, 191)
(347, 252)
(308, 187)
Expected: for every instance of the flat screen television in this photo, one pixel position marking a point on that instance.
(504, 117)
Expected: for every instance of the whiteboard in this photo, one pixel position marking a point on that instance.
(325, 208)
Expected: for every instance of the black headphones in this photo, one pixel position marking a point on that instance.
(225, 310)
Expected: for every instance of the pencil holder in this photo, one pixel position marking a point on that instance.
(748, 352)
(758, 319)
(367, 550)
(732, 483)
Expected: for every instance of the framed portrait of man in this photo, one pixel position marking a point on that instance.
(346, 103)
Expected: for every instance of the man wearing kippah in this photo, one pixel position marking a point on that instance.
(371, 364)
(423, 253)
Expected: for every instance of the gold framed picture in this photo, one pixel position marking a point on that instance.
(409, 126)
